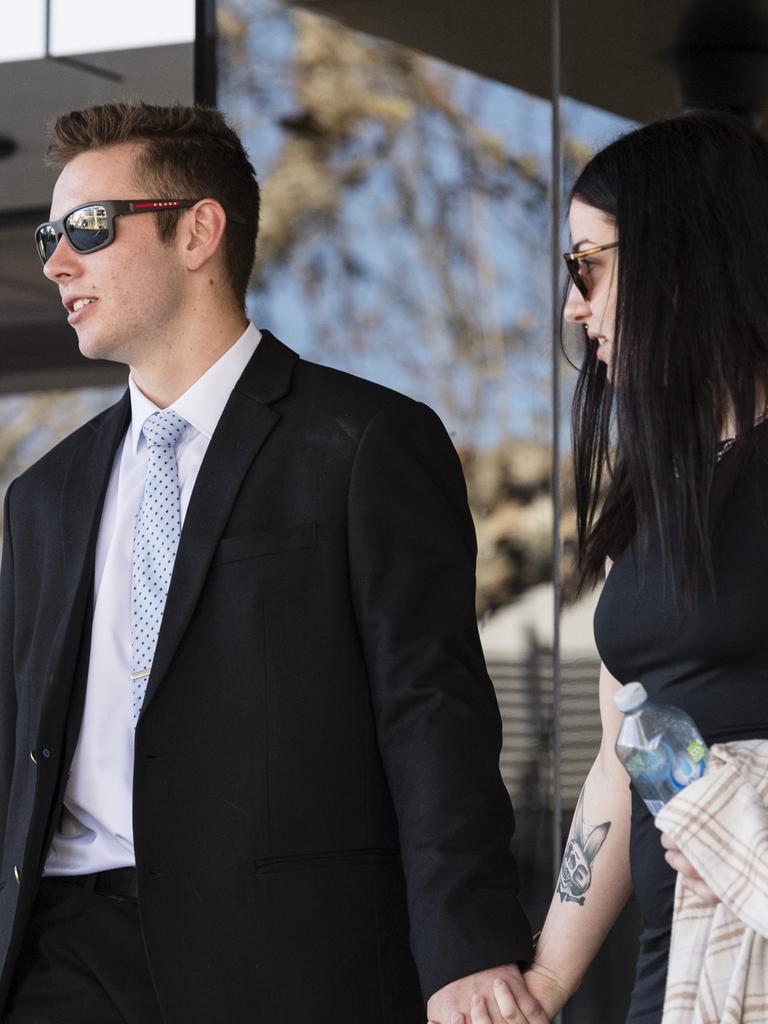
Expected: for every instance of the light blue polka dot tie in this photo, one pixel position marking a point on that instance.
(155, 540)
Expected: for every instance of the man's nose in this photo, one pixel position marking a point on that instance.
(62, 261)
(577, 308)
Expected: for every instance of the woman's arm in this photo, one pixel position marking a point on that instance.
(593, 885)
(594, 881)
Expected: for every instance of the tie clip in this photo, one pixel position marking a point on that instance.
(143, 672)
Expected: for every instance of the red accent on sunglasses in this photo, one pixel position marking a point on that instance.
(157, 204)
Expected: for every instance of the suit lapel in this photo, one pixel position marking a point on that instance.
(245, 425)
(81, 505)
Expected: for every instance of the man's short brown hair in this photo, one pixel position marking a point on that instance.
(187, 153)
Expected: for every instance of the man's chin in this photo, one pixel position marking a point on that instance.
(93, 347)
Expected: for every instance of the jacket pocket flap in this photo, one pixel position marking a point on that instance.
(330, 859)
(267, 542)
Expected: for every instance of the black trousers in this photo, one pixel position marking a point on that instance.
(82, 962)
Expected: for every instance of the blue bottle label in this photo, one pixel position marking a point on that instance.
(683, 769)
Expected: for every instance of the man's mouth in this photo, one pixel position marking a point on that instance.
(75, 305)
(78, 308)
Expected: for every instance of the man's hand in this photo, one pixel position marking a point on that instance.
(474, 999)
(691, 878)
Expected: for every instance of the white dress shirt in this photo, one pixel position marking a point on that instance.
(96, 828)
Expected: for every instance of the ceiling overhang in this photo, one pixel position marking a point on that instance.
(611, 52)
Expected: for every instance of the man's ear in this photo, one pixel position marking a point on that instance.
(202, 233)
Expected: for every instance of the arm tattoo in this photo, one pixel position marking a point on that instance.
(576, 869)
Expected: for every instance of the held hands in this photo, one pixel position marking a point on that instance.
(501, 995)
(691, 878)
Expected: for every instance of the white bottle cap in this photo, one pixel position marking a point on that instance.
(630, 697)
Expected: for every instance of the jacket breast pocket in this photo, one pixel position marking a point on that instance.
(266, 542)
(343, 859)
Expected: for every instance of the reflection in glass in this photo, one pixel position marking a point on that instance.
(31, 424)
(405, 238)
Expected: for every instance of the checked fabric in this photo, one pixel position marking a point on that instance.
(155, 540)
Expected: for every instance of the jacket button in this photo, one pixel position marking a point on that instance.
(17, 874)
(33, 755)
(46, 752)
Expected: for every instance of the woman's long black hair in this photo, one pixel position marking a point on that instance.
(689, 196)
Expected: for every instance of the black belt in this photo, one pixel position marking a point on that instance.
(120, 883)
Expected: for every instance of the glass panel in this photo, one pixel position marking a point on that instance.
(628, 64)
(31, 424)
(607, 985)
(604, 994)
(80, 26)
(22, 30)
(406, 238)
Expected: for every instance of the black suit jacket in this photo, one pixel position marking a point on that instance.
(320, 826)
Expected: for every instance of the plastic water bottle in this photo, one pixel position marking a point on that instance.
(660, 746)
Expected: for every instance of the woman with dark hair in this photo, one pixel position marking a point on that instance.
(670, 284)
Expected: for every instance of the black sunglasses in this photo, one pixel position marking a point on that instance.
(91, 227)
(573, 263)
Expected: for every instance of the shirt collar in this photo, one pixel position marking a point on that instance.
(202, 404)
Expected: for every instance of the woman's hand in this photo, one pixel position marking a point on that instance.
(691, 878)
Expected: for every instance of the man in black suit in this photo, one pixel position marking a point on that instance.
(264, 786)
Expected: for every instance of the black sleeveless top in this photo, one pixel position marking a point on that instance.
(712, 662)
